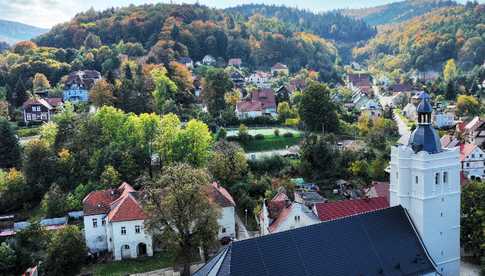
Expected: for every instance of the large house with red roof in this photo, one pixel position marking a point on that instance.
(114, 222)
(260, 102)
(345, 208)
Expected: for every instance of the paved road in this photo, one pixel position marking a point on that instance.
(404, 131)
(242, 232)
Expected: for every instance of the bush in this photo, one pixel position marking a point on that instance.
(25, 132)
(288, 134)
(276, 132)
(232, 138)
(259, 136)
(271, 165)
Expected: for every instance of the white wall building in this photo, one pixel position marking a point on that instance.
(280, 214)
(227, 219)
(260, 79)
(472, 161)
(425, 180)
(114, 222)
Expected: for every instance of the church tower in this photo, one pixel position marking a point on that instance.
(425, 179)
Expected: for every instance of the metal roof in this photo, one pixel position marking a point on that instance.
(383, 242)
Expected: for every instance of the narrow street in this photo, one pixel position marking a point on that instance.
(404, 131)
(242, 232)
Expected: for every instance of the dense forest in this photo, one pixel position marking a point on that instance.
(396, 12)
(427, 42)
(329, 25)
(169, 31)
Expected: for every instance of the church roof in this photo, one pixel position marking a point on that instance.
(426, 138)
(383, 242)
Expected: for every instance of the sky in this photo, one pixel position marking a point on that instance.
(47, 13)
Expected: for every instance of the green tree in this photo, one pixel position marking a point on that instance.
(9, 146)
(179, 211)
(467, 106)
(164, 89)
(228, 163)
(7, 259)
(14, 192)
(92, 41)
(317, 110)
(54, 203)
(450, 70)
(48, 133)
(66, 252)
(40, 82)
(320, 159)
(102, 94)
(359, 169)
(190, 144)
(110, 178)
(473, 219)
(38, 167)
(284, 111)
(243, 134)
(215, 84)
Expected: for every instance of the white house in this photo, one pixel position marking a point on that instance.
(472, 160)
(227, 220)
(410, 111)
(208, 60)
(425, 180)
(114, 222)
(260, 79)
(280, 214)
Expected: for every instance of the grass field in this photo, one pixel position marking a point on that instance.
(125, 267)
(271, 142)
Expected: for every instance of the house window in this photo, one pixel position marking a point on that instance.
(481, 155)
(437, 178)
(123, 230)
(43, 116)
(95, 223)
(445, 177)
(137, 229)
(416, 179)
(473, 155)
(29, 117)
(297, 218)
(223, 230)
(467, 165)
(126, 246)
(103, 222)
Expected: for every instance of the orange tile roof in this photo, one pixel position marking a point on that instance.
(339, 209)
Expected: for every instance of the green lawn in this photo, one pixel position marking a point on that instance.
(271, 142)
(121, 268)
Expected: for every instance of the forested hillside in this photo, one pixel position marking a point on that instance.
(167, 32)
(426, 42)
(330, 25)
(12, 32)
(396, 12)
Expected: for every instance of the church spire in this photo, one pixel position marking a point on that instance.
(425, 137)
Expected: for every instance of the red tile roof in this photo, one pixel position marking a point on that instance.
(119, 204)
(220, 195)
(54, 102)
(265, 96)
(248, 106)
(465, 150)
(334, 210)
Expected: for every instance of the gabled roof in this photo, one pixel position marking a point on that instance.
(466, 150)
(340, 209)
(220, 195)
(118, 204)
(449, 141)
(383, 242)
(279, 66)
(40, 101)
(248, 106)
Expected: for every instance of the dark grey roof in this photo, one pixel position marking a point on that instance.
(426, 138)
(424, 106)
(383, 242)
